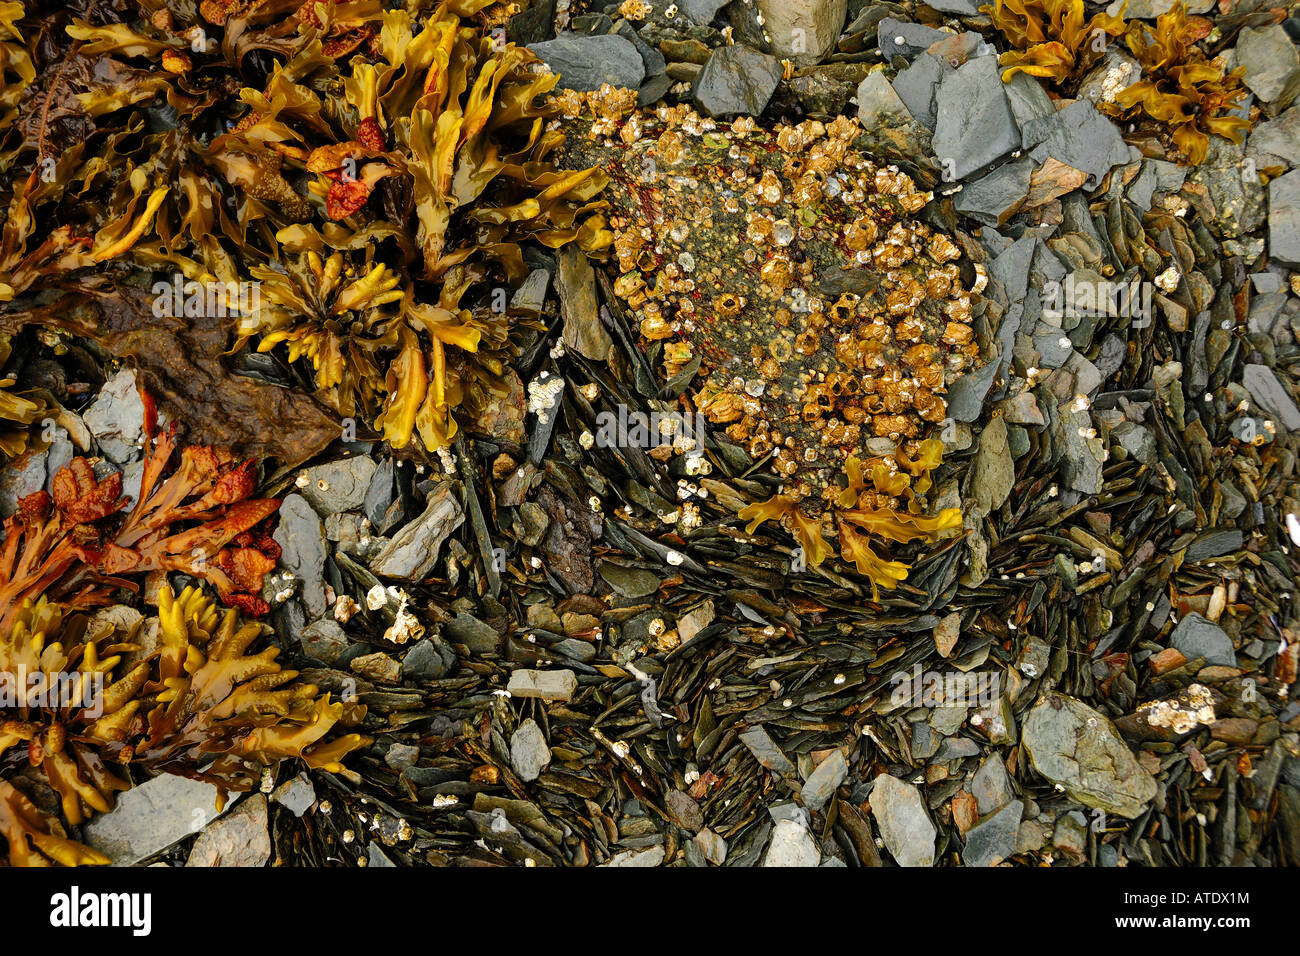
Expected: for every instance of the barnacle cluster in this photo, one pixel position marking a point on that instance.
(1177, 86)
(371, 171)
(95, 705)
(826, 321)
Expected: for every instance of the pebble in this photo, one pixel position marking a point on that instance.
(587, 62)
(413, 551)
(241, 838)
(529, 753)
(152, 817)
(904, 824)
(736, 80)
(545, 685)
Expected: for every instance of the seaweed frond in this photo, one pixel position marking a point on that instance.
(1051, 38)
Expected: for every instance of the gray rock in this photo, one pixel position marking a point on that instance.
(1029, 101)
(1197, 636)
(1270, 394)
(1284, 219)
(997, 196)
(1237, 200)
(792, 845)
(479, 636)
(821, 783)
(991, 787)
(803, 30)
(529, 752)
(960, 8)
(325, 640)
(1272, 64)
(1076, 747)
(338, 485)
(544, 685)
(1071, 833)
(413, 551)
(1214, 544)
(897, 38)
(587, 62)
(713, 846)
(1137, 440)
(402, 756)
(296, 795)
(994, 472)
(701, 12)
(1082, 460)
(23, 476)
(377, 857)
(152, 817)
(116, 418)
(903, 822)
(651, 59)
(887, 122)
(737, 79)
(380, 494)
(1279, 137)
(966, 395)
(917, 85)
(766, 751)
(993, 838)
(301, 537)
(426, 660)
(240, 838)
(974, 126)
(642, 857)
(1078, 136)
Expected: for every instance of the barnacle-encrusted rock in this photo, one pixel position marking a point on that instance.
(825, 320)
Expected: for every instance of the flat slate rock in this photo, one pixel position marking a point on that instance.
(1197, 636)
(993, 838)
(241, 838)
(737, 79)
(152, 817)
(974, 126)
(587, 62)
(997, 196)
(1078, 748)
(904, 823)
(1271, 395)
(1080, 137)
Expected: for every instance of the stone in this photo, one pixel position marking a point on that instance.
(584, 332)
(1271, 396)
(116, 418)
(241, 838)
(803, 30)
(587, 62)
(917, 85)
(644, 856)
(1078, 136)
(993, 838)
(301, 537)
(380, 494)
(766, 751)
(701, 12)
(152, 817)
(898, 38)
(1078, 749)
(338, 485)
(960, 8)
(544, 685)
(887, 122)
(713, 846)
(974, 126)
(1028, 100)
(1277, 139)
(684, 811)
(20, 477)
(822, 94)
(1137, 440)
(791, 845)
(1272, 64)
(966, 395)
(402, 756)
(1284, 219)
(1071, 833)
(904, 824)
(427, 660)
(997, 196)
(993, 470)
(651, 59)
(1150, 9)
(297, 795)
(325, 640)
(529, 752)
(1197, 636)
(736, 80)
(822, 782)
(413, 551)
(378, 667)
(991, 787)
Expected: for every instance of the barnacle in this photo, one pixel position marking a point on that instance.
(1180, 87)
(827, 320)
(1050, 38)
(90, 721)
